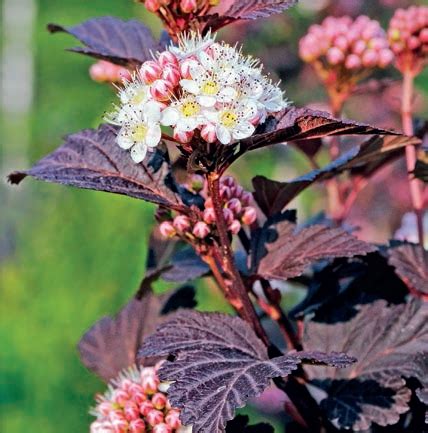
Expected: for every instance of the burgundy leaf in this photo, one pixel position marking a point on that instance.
(294, 249)
(91, 159)
(411, 265)
(364, 160)
(219, 363)
(229, 11)
(126, 43)
(389, 343)
(111, 344)
(422, 394)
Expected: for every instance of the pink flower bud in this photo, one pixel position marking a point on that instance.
(423, 36)
(185, 67)
(246, 198)
(225, 192)
(104, 408)
(150, 384)
(126, 385)
(249, 215)
(120, 397)
(159, 400)
(234, 204)
(152, 5)
(208, 133)
(228, 215)
(97, 72)
(146, 407)
(120, 426)
(201, 230)
(370, 58)
(154, 417)
(183, 136)
(237, 191)
(353, 62)
(341, 42)
(150, 71)
(139, 397)
(235, 227)
(162, 428)
(173, 419)
(413, 43)
(137, 426)
(161, 90)
(166, 58)
(359, 47)
(335, 56)
(172, 74)
(228, 181)
(208, 202)
(181, 223)
(101, 427)
(188, 6)
(386, 56)
(209, 215)
(131, 411)
(167, 230)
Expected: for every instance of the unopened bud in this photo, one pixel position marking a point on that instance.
(167, 230)
(154, 417)
(201, 230)
(353, 62)
(150, 71)
(208, 133)
(225, 192)
(235, 227)
(120, 426)
(159, 400)
(173, 419)
(161, 90)
(183, 136)
(120, 397)
(386, 56)
(181, 223)
(335, 56)
(234, 204)
(146, 407)
(246, 198)
(162, 428)
(131, 410)
(171, 74)
(370, 58)
(188, 6)
(152, 5)
(166, 58)
(209, 215)
(208, 202)
(137, 426)
(150, 383)
(185, 67)
(249, 215)
(228, 215)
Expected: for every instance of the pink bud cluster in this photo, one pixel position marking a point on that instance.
(180, 6)
(408, 37)
(236, 207)
(134, 404)
(347, 44)
(106, 72)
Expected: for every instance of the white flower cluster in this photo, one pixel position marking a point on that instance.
(199, 85)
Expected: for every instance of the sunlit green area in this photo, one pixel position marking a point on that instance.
(67, 256)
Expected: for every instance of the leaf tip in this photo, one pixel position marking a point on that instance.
(16, 177)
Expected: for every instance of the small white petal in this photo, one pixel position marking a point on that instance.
(210, 115)
(206, 101)
(227, 94)
(190, 85)
(243, 130)
(186, 124)
(170, 116)
(123, 139)
(152, 112)
(223, 134)
(153, 136)
(206, 60)
(138, 152)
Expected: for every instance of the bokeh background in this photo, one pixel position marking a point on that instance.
(69, 256)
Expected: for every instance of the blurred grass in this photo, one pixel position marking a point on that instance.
(73, 255)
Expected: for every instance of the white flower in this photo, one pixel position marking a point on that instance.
(233, 121)
(191, 44)
(270, 101)
(185, 114)
(140, 130)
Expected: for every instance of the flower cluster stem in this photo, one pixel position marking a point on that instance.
(416, 187)
(237, 292)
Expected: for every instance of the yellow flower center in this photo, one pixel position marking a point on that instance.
(190, 108)
(139, 133)
(209, 88)
(228, 119)
(139, 97)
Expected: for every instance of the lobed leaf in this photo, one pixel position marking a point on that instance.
(294, 249)
(91, 159)
(363, 160)
(219, 363)
(126, 43)
(411, 265)
(390, 344)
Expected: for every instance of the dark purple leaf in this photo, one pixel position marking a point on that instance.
(240, 425)
(126, 43)
(411, 264)
(389, 343)
(294, 249)
(230, 11)
(91, 159)
(184, 297)
(364, 160)
(185, 266)
(111, 344)
(422, 394)
(219, 363)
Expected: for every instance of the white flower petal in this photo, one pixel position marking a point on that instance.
(223, 134)
(190, 86)
(123, 139)
(206, 60)
(227, 94)
(138, 152)
(151, 111)
(187, 124)
(153, 136)
(170, 116)
(206, 101)
(243, 130)
(210, 115)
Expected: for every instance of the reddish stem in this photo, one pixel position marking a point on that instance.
(416, 187)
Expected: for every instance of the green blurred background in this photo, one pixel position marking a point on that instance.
(69, 256)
